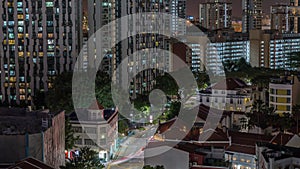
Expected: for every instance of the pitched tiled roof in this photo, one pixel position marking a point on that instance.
(281, 138)
(205, 110)
(31, 163)
(245, 142)
(246, 149)
(163, 127)
(229, 84)
(248, 138)
(96, 106)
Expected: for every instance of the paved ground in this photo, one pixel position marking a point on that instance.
(131, 154)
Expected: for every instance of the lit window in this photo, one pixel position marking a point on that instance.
(50, 35)
(11, 42)
(21, 54)
(19, 4)
(20, 17)
(40, 35)
(49, 4)
(20, 36)
(22, 97)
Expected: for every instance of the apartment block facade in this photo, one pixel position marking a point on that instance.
(215, 14)
(252, 14)
(38, 42)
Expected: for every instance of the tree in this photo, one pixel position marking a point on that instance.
(123, 124)
(69, 135)
(294, 60)
(296, 115)
(167, 84)
(60, 96)
(202, 79)
(282, 122)
(103, 89)
(260, 115)
(229, 66)
(174, 110)
(87, 159)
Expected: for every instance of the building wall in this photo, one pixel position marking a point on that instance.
(215, 14)
(12, 148)
(271, 49)
(281, 97)
(280, 18)
(38, 42)
(48, 146)
(101, 136)
(241, 160)
(226, 100)
(144, 83)
(252, 15)
(54, 142)
(100, 13)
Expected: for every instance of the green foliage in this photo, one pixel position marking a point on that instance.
(167, 84)
(243, 70)
(88, 159)
(202, 79)
(103, 90)
(296, 116)
(174, 110)
(294, 60)
(236, 66)
(260, 115)
(263, 116)
(60, 96)
(39, 99)
(140, 102)
(123, 125)
(69, 136)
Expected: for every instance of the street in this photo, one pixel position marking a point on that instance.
(131, 151)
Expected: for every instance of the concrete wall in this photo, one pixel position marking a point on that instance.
(12, 148)
(54, 142)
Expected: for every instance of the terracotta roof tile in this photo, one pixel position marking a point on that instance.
(229, 84)
(96, 106)
(31, 163)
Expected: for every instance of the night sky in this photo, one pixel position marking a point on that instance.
(193, 6)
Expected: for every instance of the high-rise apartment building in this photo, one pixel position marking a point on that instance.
(99, 13)
(151, 49)
(252, 14)
(272, 49)
(38, 42)
(284, 18)
(215, 14)
(280, 18)
(295, 25)
(208, 50)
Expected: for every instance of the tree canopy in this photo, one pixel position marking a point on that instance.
(87, 159)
